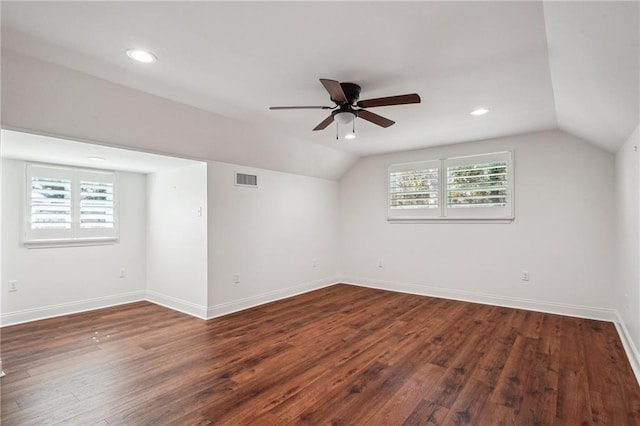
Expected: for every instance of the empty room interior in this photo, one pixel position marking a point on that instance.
(271, 213)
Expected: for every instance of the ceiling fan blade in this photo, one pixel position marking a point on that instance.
(324, 123)
(335, 90)
(375, 118)
(300, 107)
(412, 98)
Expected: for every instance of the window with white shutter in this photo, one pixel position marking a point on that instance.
(69, 205)
(96, 205)
(50, 203)
(478, 187)
(414, 190)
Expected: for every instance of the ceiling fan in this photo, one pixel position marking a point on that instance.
(345, 96)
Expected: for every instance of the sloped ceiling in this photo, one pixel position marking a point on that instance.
(534, 65)
(593, 54)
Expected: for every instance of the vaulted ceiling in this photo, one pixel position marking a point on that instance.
(534, 65)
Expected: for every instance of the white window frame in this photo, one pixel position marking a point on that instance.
(444, 213)
(76, 234)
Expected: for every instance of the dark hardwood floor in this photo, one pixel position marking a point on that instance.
(341, 355)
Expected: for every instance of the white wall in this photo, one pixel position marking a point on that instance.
(270, 235)
(55, 281)
(562, 233)
(177, 238)
(627, 296)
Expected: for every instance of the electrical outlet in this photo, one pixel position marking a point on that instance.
(236, 278)
(379, 263)
(525, 276)
(122, 273)
(13, 285)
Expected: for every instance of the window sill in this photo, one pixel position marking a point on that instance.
(38, 244)
(449, 220)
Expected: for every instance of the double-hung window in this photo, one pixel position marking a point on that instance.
(70, 205)
(478, 187)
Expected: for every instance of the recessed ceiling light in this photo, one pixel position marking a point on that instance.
(141, 56)
(479, 111)
(350, 136)
(96, 158)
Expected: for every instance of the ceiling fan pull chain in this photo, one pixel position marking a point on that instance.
(337, 132)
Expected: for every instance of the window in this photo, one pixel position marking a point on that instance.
(414, 190)
(478, 187)
(66, 204)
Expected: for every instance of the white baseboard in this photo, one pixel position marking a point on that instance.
(488, 299)
(61, 309)
(272, 296)
(629, 347)
(189, 308)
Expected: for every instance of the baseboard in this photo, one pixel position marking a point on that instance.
(629, 347)
(189, 308)
(488, 299)
(272, 296)
(51, 311)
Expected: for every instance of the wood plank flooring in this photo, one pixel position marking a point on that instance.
(340, 355)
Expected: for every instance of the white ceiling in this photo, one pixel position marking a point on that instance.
(45, 149)
(536, 66)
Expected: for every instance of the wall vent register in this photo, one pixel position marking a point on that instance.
(243, 179)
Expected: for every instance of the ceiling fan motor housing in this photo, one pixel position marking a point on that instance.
(351, 91)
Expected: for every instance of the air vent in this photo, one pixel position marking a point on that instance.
(243, 179)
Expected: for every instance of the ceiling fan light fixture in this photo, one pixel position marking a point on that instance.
(479, 111)
(344, 118)
(345, 125)
(143, 56)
